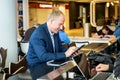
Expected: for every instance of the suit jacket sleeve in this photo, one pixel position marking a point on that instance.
(42, 48)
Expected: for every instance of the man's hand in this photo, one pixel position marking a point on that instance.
(102, 67)
(69, 52)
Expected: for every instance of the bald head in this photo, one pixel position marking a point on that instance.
(55, 21)
(55, 14)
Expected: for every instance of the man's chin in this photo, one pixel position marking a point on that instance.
(56, 32)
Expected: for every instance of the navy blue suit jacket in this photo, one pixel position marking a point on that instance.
(41, 49)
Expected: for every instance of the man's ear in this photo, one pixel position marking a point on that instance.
(51, 20)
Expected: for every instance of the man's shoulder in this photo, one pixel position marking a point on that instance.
(43, 26)
(40, 31)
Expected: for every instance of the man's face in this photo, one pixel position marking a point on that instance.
(105, 31)
(57, 24)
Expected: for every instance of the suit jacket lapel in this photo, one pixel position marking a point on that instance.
(56, 42)
(48, 36)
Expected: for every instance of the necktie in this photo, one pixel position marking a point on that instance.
(52, 37)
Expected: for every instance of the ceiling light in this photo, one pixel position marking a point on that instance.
(112, 3)
(107, 4)
(45, 5)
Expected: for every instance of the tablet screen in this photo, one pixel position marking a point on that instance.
(78, 49)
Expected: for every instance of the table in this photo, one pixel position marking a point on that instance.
(89, 39)
(55, 74)
(85, 40)
(97, 47)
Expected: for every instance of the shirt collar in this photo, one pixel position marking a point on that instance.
(51, 33)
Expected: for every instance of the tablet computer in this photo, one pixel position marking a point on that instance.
(61, 62)
(57, 63)
(78, 49)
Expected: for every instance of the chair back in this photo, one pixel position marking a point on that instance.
(24, 46)
(15, 68)
(3, 53)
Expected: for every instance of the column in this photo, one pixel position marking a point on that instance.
(106, 12)
(116, 11)
(25, 15)
(119, 11)
(8, 29)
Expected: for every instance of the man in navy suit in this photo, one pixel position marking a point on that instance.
(45, 45)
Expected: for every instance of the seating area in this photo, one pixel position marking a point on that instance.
(19, 68)
(3, 53)
(15, 68)
(3, 56)
(24, 46)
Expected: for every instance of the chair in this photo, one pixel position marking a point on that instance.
(28, 34)
(15, 68)
(24, 46)
(7, 75)
(3, 53)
